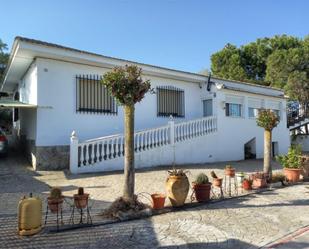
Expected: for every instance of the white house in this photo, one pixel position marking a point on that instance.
(58, 90)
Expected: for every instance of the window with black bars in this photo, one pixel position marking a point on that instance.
(170, 101)
(93, 97)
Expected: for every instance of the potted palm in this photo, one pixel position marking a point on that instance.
(216, 180)
(55, 199)
(177, 187)
(229, 171)
(81, 198)
(202, 188)
(291, 163)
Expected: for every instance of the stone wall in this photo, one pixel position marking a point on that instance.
(52, 157)
(45, 157)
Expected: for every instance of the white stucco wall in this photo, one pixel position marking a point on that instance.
(28, 86)
(27, 89)
(56, 89)
(234, 132)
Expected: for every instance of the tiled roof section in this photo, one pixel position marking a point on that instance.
(48, 44)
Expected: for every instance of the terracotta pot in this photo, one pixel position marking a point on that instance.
(292, 175)
(259, 183)
(54, 204)
(81, 201)
(158, 201)
(230, 172)
(177, 188)
(246, 185)
(217, 182)
(202, 192)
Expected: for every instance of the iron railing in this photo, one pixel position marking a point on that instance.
(297, 113)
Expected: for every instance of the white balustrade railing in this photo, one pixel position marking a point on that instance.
(93, 151)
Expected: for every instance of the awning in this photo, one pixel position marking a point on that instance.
(8, 103)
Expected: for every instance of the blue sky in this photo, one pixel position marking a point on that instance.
(172, 33)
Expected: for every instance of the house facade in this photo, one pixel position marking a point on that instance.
(62, 85)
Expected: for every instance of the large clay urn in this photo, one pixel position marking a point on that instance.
(177, 188)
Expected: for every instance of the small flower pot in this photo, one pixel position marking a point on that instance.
(229, 172)
(202, 192)
(81, 201)
(246, 184)
(292, 175)
(158, 201)
(217, 182)
(259, 183)
(54, 204)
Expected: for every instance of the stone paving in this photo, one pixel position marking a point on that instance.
(246, 222)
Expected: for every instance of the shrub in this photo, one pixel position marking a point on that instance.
(201, 179)
(292, 159)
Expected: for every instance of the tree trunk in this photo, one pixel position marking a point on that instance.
(267, 152)
(129, 171)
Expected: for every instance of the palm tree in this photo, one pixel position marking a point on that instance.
(268, 120)
(128, 88)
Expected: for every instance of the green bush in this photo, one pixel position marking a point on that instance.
(291, 160)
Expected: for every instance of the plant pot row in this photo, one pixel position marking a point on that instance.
(56, 199)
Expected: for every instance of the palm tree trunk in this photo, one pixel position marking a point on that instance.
(129, 171)
(267, 152)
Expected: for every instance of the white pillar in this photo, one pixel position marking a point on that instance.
(171, 123)
(74, 153)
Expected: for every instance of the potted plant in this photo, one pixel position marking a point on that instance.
(240, 177)
(81, 198)
(259, 180)
(247, 184)
(229, 171)
(158, 200)
(55, 199)
(202, 188)
(177, 187)
(216, 180)
(291, 163)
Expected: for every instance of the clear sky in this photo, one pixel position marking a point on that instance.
(172, 33)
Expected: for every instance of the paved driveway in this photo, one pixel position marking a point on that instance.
(246, 222)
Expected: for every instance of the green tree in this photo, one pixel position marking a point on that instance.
(267, 61)
(227, 63)
(128, 87)
(268, 120)
(4, 57)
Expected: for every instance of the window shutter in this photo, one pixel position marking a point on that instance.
(255, 103)
(234, 99)
(274, 105)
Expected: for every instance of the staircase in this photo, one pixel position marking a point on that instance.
(151, 146)
(297, 116)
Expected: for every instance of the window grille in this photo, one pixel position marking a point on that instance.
(93, 97)
(170, 101)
